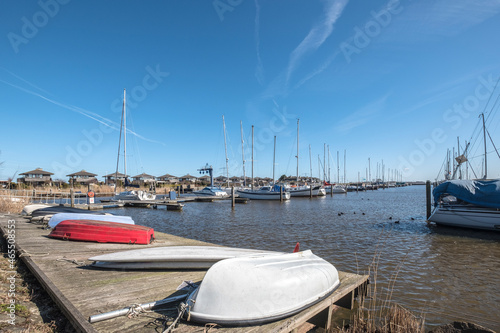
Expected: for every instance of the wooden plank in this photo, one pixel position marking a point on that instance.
(82, 291)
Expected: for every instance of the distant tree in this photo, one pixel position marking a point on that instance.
(282, 178)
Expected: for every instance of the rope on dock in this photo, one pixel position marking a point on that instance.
(135, 310)
(182, 308)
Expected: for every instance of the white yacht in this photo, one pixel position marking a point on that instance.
(264, 193)
(213, 191)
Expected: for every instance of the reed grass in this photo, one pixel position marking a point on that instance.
(8, 206)
(376, 312)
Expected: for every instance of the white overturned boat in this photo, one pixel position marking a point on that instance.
(173, 257)
(212, 190)
(264, 193)
(28, 209)
(259, 289)
(58, 218)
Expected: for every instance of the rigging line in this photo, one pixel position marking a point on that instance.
(492, 110)
(442, 166)
(294, 145)
(494, 88)
(496, 150)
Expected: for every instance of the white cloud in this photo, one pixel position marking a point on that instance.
(317, 35)
(362, 116)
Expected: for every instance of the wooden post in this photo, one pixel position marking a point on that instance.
(310, 191)
(72, 197)
(233, 200)
(281, 193)
(331, 190)
(428, 197)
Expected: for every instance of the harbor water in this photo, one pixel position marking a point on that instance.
(439, 273)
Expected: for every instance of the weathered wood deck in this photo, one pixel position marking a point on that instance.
(81, 291)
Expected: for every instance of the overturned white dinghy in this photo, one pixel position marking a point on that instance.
(259, 289)
(59, 217)
(173, 257)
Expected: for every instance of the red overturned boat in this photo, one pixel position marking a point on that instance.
(103, 232)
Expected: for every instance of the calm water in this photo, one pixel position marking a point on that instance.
(444, 274)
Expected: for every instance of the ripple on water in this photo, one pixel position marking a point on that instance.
(443, 273)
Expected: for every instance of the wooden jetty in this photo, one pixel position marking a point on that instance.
(81, 291)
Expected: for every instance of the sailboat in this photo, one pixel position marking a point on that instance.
(127, 194)
(468, 203)
(304, 190)
(274, 192)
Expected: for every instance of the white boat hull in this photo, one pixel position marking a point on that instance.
(467, 217)
(172, 257)
(336, 189)
(212, 191)
(134, 195)
(59, 217)
(28, 209)
(304, 191)
(262, 195)
(255, 290)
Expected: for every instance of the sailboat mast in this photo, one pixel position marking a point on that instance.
(125, 137)
(297, 151)
(243, 155)
(310, 164)
(345, 181)
(324, 161)
(252, 157)
(329, 176)
(338, 168)
(485, 154)
(369, 171)
(225, 150)
(274, 157)
(120, 141)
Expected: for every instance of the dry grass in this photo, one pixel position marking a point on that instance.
(10, 206)
(377, 312)
(35, 311)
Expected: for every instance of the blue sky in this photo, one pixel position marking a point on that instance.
(393, 81)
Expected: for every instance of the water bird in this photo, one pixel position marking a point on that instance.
(390, 217)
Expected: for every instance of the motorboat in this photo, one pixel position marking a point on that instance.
(264, 193)
(173, 257)
(467, 204)
(102, 232)
(134, 195)
(213, 191)
(258, 289)
(58, 218)
(332, 188)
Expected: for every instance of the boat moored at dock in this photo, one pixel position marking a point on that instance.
(468, 204)
(264, 193)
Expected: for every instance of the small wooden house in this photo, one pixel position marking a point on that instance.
(82, 178)
(110, 179)
(37, 177)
